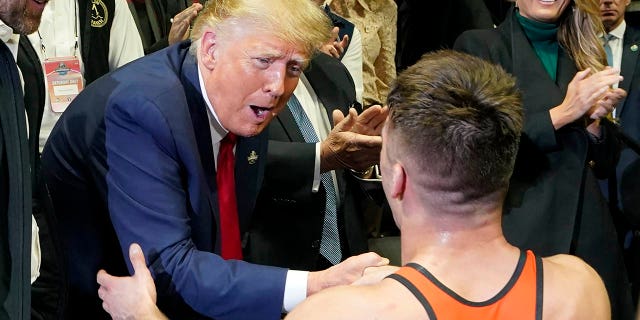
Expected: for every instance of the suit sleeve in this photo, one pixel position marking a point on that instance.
(148, 204)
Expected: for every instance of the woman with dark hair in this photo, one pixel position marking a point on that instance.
(554, 203)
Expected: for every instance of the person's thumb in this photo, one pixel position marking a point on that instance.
(137, 260)
(342, 123)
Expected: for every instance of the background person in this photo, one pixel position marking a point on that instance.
(623, 41)
(19, 243)
(554, 203)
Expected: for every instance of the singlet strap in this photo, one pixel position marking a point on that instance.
(539, 287)
(416, 293)
(520, 297)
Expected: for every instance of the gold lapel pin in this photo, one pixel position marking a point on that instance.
(634, 48)
(253, 157)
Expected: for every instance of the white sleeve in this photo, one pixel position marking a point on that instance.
(316, 170)
(352, 59)
(125, 44)
(295, 289)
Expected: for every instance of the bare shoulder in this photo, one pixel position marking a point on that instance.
(387, 299)
(341, 302)
(573, 290)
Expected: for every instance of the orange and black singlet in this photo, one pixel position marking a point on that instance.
(521, 297)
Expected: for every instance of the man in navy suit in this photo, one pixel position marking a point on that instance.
(133, 159)
(623, 43)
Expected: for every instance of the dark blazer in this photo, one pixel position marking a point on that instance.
(628, 113)
(15, 194)
(48, 291)
(131, 160)
(287, 225)
(442, 20)
(554, 204)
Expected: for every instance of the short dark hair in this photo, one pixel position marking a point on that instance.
(459, 119)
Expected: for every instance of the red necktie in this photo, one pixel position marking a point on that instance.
(229, 226)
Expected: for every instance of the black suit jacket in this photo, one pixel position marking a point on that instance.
(628, 113)
(48, 291)
(287, 224)
(443, 21)
(554, 203)
(15, 194)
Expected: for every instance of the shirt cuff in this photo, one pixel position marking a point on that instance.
(295, 289)
(35, 250)
(316, 171)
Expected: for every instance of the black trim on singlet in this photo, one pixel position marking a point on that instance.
(539, 287)
(514, 278)
(412, 288)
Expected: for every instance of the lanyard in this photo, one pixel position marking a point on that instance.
(75, 33)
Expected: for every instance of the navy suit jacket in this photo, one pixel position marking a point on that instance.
(132, 157)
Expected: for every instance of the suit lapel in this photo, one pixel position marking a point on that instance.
(628, 63)
(325, 86)
(250, 159)
(285, 117)
(201, 129)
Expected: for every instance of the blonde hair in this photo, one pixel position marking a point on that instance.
(579, 34)
(299, 22)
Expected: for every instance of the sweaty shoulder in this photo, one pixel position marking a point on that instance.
(342, 302)
(387, 299)
(573, 290)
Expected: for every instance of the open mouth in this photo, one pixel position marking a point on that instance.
(261, 112)
(40, 1)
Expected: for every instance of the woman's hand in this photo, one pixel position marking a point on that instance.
(606, 104)
(587, 95)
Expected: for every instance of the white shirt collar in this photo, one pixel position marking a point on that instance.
(6, 32)
(618, 32)
(218, 131)
(9, 38)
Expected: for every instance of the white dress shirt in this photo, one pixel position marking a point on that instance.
(295, 290)
(352, 60)
(12, 40)
(59, 29)
(616, 45)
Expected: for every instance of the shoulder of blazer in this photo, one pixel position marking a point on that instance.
(331, 81)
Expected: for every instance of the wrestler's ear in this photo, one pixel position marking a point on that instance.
(207, 50)
(398, 179)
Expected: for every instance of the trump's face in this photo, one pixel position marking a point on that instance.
(252, 76)
(23, 16)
